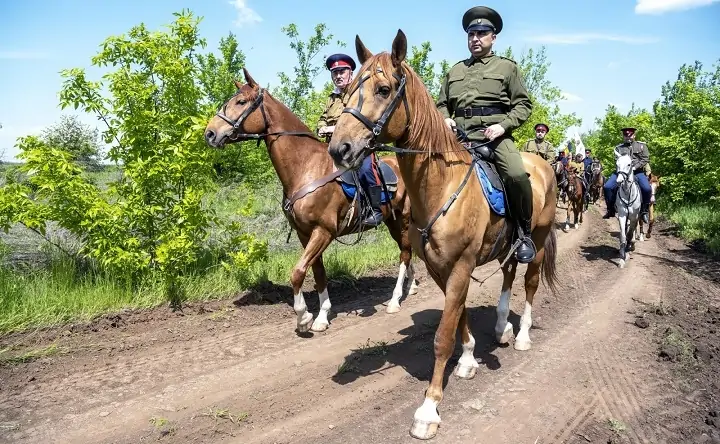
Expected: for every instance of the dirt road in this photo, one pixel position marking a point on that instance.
(236, 371)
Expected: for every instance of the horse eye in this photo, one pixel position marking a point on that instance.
(384, 91)
(241, 102)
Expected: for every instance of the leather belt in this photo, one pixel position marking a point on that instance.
(479, 111)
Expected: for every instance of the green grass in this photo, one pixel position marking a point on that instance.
(696, 222)
(53, 290)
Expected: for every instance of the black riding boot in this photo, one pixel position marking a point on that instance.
(644, 213)
(375, 196)
(521, 207)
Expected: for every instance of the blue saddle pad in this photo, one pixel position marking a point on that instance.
(494, 195)
(351, 190)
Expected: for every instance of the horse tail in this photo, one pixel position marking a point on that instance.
(549, 263)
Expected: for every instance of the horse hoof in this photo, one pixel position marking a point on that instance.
(523, 345)
(413, 288)
(621, 263)
(424, 429)
(577, 226)
(467, 369)
(303, 325)
(392, 307)
(506, 335)
(319, 326)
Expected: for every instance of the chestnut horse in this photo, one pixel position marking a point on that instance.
(596, 182)
(654, 185)
(452, 227)
(313, 200)
(575, 200)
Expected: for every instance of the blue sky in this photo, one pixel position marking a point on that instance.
(616, 51)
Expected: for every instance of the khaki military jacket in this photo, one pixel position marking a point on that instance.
(543, 149)
(639, 153)
(490, 81)
(334, 106)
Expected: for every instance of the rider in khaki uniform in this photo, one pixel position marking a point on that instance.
(577, 166)
(486, 96)
(540, 146)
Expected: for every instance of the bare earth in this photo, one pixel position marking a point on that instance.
(618, 356)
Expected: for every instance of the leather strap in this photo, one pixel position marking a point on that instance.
(311, 187)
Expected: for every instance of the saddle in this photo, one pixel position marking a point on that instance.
(351, 186)
(492, 186)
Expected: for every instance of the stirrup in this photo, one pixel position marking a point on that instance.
(525, 252)
(375, 219)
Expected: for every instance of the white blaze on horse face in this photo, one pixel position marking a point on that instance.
(303, 316)
(503, 329)
(321, 322)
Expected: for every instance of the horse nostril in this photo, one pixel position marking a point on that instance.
(209, 135)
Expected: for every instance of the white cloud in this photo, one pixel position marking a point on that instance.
(568, 97)
(245, 15)
(22, 55)
(658, 7)
(581, 38)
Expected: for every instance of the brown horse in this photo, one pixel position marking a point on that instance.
(654, 185)
(596, 183)
(453, 229)
(575, 201)
(561, 179)
(313, 199)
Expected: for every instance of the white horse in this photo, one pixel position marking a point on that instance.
(627, 205)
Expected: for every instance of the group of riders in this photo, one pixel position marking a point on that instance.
(485, 95)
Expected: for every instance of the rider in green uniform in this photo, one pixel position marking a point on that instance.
(486, 96)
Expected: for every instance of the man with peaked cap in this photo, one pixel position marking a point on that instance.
(486, 96)
(341, 67)
(540, 146)
(640, 158)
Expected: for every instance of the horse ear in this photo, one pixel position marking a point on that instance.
(399, 48)
(248, 79)
(237, 84)
(362, 52)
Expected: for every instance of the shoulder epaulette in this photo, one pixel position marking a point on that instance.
(505, 58)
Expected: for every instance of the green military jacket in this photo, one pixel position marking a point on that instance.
(334, 106)
(639, 153)
(490, 81)
(543, 149)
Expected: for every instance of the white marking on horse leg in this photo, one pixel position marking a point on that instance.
(621, 263)
(467, 365)
(522, 341)
(304, 317)
(321, 322)
(503, 329)
(413, 281)
(394, 304)
(426, 420)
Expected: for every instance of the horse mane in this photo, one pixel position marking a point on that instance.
(427, 125)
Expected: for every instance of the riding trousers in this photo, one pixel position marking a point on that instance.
(611, 185)
(367, 173)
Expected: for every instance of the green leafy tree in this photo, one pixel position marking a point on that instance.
(76, 138)
(153, 219)
(297, 92)
(685, 149)
(217, 73)
(419, 60)
(533, 66)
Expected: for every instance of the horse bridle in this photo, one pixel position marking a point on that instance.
(377, 126)
(237, 124)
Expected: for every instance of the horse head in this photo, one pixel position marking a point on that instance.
(623, 167)
(240, 118)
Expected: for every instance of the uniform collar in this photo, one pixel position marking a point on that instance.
(484, 60)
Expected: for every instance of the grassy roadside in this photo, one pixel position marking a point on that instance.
(40, 287)
(697, 223)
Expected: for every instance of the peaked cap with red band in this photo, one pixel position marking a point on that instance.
(340, 61)
(542, 125)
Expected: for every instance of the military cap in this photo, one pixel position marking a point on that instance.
(629, 128)
(340, 61)
(482, 18)
(587, 150)
(543, 125)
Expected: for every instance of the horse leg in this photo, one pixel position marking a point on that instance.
(567, 218)
(427, 419)
(532, 279)
(400, 236)
(314, 247)
(321, 322)
(651, 218)
(503, 328)
(623, 239)
(467, 364)
(578, 223)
